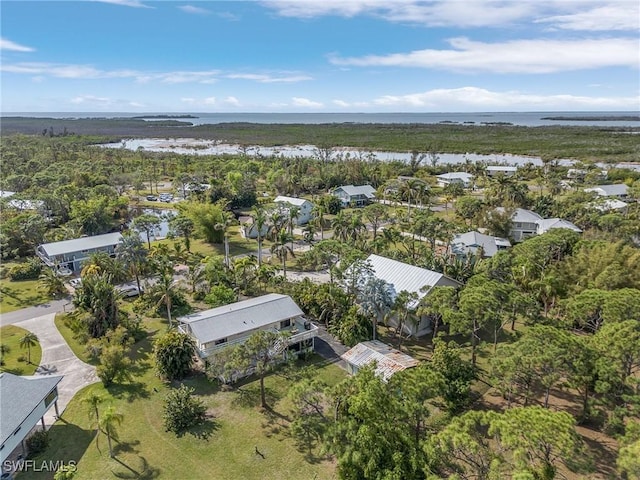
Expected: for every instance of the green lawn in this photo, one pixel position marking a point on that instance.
(236, 427)
(22, 294)
(10, 336)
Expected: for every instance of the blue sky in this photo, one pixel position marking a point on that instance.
(319, 56)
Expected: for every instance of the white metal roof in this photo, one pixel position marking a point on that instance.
(389, 360)
(609, 204)
(609, 190)
(522, 215)
(239, 317)
(501, 168)
(407, 277)
(351, 190)
(548, 223)
(464, 176)
(79, 244)
(6, 193)
(19, 396)
(292, 200)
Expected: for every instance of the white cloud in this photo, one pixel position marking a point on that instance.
(14, 47)
(564, 14)
(91, 100)
(233, 101)
(341, 103)
(90, 72)
(268, 78)
(194, 10)
(479, 99)
(188, 100)
(624, 15)
(515, 56)
(126, 3)
(305, 102)
(468, 13)
(210, 101)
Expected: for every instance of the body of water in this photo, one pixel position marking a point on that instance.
(191, 146)
(528, 119)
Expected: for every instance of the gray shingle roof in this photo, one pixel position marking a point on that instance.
(79, 244)
(469, 242)
(464, 176)
(239, 317)
(18, 397)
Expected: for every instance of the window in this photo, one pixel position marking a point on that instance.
(220, 341)
(285, 323)
(51, 397)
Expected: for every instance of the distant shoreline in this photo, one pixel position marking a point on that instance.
(606, 118)
(142, 117)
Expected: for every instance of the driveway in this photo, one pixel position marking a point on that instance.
(53, 306)
(58, 359)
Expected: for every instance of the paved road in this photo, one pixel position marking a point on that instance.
(58, 359)
(19, 316)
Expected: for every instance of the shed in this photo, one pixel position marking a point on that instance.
(388, 360)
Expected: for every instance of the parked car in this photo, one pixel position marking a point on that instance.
(129, 291)
(64, 271)
(152, 198)
(166, 197)
(75, 282)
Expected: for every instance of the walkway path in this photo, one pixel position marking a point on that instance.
(58, 359)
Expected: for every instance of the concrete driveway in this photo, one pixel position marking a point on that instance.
(58, 359)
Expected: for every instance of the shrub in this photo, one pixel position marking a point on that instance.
(29, 270)
(182, 410)
(37, 443)
(173, 353)
(220, 295)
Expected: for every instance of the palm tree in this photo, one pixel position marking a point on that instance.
(245, 270)
(131, 252)
(223, 225)
(340, 226)
(110, 419)
(318, 212)
(281, 249)
(92, 402)
(292, 219)
(165, 288)
(376, 300)
(147, 223)
(51, 283)
(275, 223)
(259, 220)
(27, 341)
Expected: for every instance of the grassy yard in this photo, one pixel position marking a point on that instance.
(21, 294)
(10, 336)
(223, 449)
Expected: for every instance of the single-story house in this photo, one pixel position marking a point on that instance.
(547, 224)
(6, 194)
(72, 253)
(471, 243)
(463, 178)
(23, 402)
(21, 205)
(304, 208)
(610, 205)
(388, 360)
(506, 170)
(218, 328)
(405, 277)
(355, 196)
(619, 191)
(248, 228)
